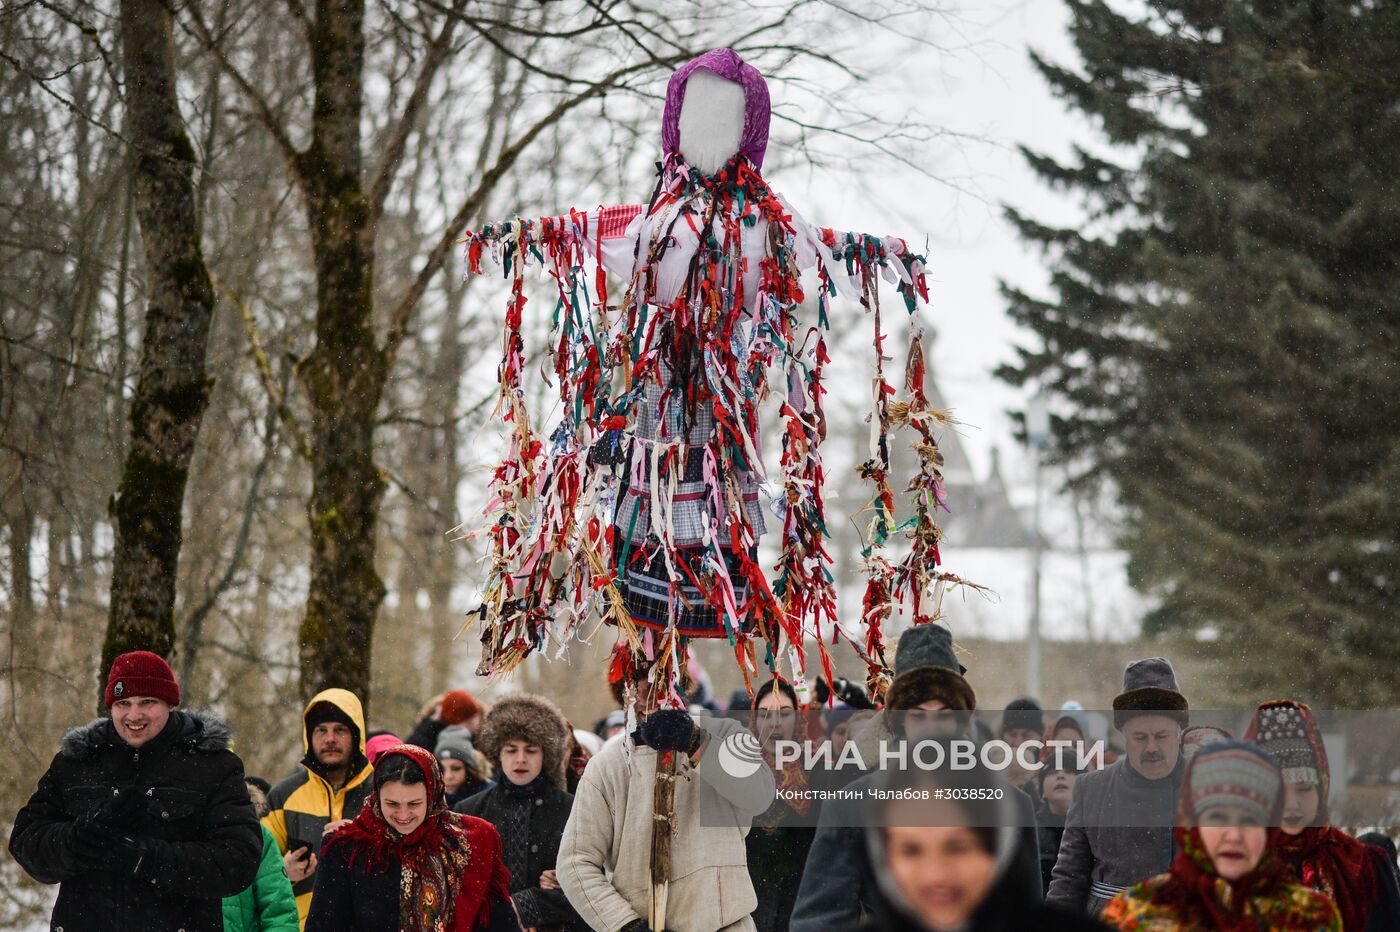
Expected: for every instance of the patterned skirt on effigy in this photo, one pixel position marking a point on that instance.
(644, 573)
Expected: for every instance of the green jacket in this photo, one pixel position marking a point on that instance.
(268, 905)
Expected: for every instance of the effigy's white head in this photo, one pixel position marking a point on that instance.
(712, 120)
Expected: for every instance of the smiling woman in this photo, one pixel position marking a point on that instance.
(403, 794)
(407, 862)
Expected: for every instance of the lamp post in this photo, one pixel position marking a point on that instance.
(1038, 436)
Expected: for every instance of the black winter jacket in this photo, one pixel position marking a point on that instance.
(777, 854)
(185, 804)
(1004, 914)
(1051, 828)
(531, 823)
(1007, 907)
(838, 850)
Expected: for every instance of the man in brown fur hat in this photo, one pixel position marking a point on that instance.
(527, 738)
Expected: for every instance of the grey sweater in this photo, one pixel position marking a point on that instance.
(1118, 832)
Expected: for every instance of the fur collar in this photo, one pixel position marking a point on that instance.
(197, 730)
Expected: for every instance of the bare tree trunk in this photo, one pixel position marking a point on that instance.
(172, 391)
(19, 520)
(442, 562)
(344, 374)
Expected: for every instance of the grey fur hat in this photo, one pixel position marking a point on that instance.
(1149, 688)
(534, 719)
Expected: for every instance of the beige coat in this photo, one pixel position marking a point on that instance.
(604, 858)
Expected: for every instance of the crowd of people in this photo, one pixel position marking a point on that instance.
(508, 817)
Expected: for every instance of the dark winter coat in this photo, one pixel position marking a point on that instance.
(1118, 832)
(356, 899)
(1026, 916)
(1006, 908)
(1050, 828)
(777, 856)
(269, 904)
(838, 884)
(184, 803)
(425, 733)
(1003, 912)
(531, 822)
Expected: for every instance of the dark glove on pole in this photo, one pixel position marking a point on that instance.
(667, 730)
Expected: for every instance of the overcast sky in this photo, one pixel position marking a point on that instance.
(979, 84)
(982, 89)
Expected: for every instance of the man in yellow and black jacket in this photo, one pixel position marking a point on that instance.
(330, 788)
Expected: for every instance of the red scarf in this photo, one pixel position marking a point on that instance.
(1195, 896)
(450, 866)
(1192, 897)
(1321, 857)
(1330, 861)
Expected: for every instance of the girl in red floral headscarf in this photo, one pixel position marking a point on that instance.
(1323, 857)
(409, 864)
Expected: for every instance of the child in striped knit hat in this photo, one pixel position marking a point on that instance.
(1225, 875)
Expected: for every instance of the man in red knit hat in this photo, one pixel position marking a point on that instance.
(143, 818)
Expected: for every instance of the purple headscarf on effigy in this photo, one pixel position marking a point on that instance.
(727, 64)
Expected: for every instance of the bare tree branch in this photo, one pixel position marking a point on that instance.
(398, 327)
(300, 442)
(194, 623)
(69, 105)
(262, 110)
(90, 33)
(299, 14)
(438, 52)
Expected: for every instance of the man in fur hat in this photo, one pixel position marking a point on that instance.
(1119, 828)
(528, 739)
(143, 818)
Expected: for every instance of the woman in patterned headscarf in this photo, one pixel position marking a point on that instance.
(1320, 855)
(407, 863)
(1225, 875)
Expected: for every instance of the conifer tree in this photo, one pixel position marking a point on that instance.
(1224, 332)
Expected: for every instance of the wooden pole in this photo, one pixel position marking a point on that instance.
(662, 819)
